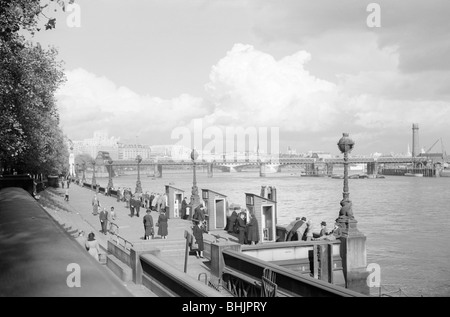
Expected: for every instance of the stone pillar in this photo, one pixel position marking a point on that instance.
(136, 251)
(354, 256)
(217, 263)
(262, 169)
(158, 170)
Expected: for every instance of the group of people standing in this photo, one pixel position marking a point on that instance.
(246, 228)
(302, 230)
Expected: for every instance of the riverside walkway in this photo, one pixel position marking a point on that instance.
(76, 215)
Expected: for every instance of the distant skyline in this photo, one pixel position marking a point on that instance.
(140, 69)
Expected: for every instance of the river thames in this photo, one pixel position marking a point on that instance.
(406, 219)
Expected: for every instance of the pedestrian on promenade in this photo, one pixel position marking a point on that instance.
(252, 230)
(103, 220)
(132, 206)
(162, 225)
(150, 202)
(95, 205)
(112, 221)
(148, 225)
(231, 220)
(127, 194)
(92, 246)
(119, 194)
(241, 226)
(138, 203)
(197, 231)
(66, 195)
(199, 214)
(183, 208)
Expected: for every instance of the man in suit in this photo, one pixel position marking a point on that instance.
(104, 220)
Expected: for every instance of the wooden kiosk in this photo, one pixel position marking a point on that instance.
(216, 208)
(174, 199)
(265, 211)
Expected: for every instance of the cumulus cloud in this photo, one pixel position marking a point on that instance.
(88, 102)
(251, 88)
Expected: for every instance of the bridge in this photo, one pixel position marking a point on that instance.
(311, 166)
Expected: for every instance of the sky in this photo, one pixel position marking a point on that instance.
(311, 69)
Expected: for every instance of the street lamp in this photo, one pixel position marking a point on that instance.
(83, 180)
(345, 145)
(138, 182)
(110, 182)
(94, 182)
(195, 199)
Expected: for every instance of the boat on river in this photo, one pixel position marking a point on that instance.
(414, 174)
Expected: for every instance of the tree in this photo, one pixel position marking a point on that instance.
(30, 136)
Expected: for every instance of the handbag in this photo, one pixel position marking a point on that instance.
(194, 244)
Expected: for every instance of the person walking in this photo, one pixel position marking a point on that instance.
(112, 221)
(95, 205)
(197, 231)
(148, 225)
(66, 196)
(162, 225)
(103, 220)
(183, 208)
(92, 246)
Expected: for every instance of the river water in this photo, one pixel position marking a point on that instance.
(406, 219)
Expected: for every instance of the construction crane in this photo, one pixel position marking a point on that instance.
(431, 147)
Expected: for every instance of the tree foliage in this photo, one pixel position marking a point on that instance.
(31, 140)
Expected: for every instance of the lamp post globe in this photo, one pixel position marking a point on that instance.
(138, 182)
(195, 198)
(346, 145)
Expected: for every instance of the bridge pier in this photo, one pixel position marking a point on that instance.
(158, 170)
(262, 169)
(210, 170)
(372, 168)
(329, 168)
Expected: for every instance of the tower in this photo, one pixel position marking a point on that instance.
(415, 140)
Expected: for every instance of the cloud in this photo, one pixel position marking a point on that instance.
(88, 102)
(251, 88)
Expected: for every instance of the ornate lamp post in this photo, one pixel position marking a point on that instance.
(94, 181)
(345, 145)
(195, 198)
(110, 181)
(83, 180)
(138, 182)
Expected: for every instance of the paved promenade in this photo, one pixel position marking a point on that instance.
(77, 213)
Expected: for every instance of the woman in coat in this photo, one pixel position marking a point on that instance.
(252, 230)
(197, 232)
(162, 225)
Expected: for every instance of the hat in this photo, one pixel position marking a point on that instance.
(304, 218)
(323, 223)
